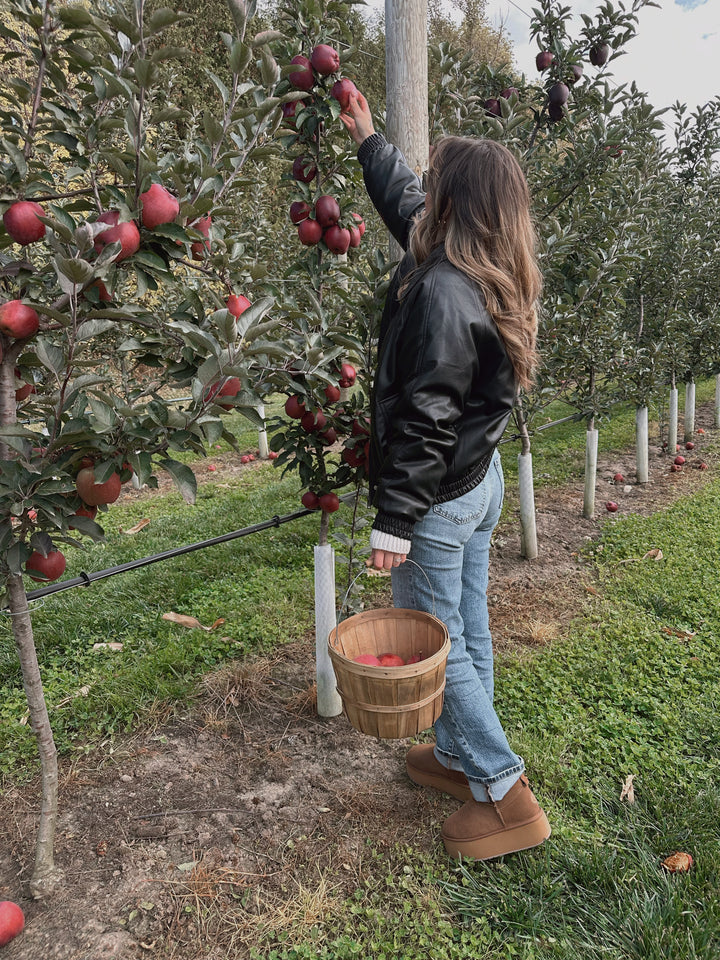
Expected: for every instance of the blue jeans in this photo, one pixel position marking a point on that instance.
(452, 546)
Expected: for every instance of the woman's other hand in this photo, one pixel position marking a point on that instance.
(357, 118)
(386, 560)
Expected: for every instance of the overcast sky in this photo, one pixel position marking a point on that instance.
(674, 56)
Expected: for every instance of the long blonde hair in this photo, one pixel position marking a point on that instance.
(480, 208)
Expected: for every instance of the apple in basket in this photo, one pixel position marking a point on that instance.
(391, 660)
(367, 658)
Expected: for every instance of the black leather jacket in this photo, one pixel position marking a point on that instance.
(444, 386)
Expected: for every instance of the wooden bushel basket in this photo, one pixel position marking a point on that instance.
(390, 702)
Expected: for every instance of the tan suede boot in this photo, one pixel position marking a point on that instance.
(424, 768)
(486, 830)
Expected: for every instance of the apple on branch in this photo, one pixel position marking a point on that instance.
(302, 78)
(93, 493)
(48, 567)
(18, 320)
(22, 223)
(325, 60)
(124, 232)
(158, 206)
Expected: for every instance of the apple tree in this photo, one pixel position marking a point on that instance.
(121, 286)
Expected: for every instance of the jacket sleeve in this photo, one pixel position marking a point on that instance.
(439, 344)
(391, 185)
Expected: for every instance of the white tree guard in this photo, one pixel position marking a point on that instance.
(717, 399)
(641, 445)
(689, 422)
(673, 421)
(329, 703)
(262, 433)
(591, 448)
(528, 527)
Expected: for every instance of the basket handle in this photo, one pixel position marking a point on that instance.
(366, 570)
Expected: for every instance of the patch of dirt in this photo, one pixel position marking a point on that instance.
(249, 813)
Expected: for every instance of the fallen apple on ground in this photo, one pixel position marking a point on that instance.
(679, 461)
(611, 506)
(619, 478)
(12, 921)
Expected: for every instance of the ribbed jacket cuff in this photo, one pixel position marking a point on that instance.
(370, 145)
(385, 541)
(394, 526)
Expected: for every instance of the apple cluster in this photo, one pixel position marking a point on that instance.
(324, 426)
(322, 220)
(558, 91)
(387, 659)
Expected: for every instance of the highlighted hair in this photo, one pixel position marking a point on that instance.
(479, 206)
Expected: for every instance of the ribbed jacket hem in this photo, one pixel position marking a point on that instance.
(395, 526)
(388, 543)
(370, 145)
(456, 488)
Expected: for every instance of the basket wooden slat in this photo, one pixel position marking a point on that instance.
(391, 702)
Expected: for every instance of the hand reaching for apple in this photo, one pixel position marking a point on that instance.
(357, 118)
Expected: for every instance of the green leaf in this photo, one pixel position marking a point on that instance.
(50, 356)
(16, 155)
(183, 477)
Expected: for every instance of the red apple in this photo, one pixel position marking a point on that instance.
(94, 493)
(329, 436)
(702, 465)
(355, 236)
(558, 93)
(599, 54)
(506, 94)
(353, 456)
(294, 407)
(700, 430)
(342, 90)
(689, 445)
(299, 211)
(273, 455)
(21, 222)
(415, 658)
(303, 169)
(23, 392)
(347, 375)
(555, 112)
(327, 210)
(391, 660)
(158, 206)
(12, 921)
(84, 511)
(123, 232)
(302, 78)
(104, 295)
(325, 60)
(237, 304)
(50, 567)
(679, 461)
(369, 659)
(310, 232)
(199, 248)
(230, 387)
(492, 106)
(18, 320)
(576, 72)
(332, 393)
(544, 59)
(337, 239)
(360, 428)
(289, 109)
(310, 500)
(329, 502)
(312, 422)
(611, 506)
(245, 458)
(359, 221)
(619, 478)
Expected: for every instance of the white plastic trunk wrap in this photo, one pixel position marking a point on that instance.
(591, 447)
(529, 548)
(329, 703)
(641, 444)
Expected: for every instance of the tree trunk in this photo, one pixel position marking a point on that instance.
(641, 444)
(46, 875)
(689, 422)
(406, 84)
(591, 448)
(673, 421)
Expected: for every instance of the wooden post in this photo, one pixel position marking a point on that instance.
(406, 83)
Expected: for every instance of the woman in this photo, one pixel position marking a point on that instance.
(457, 339)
